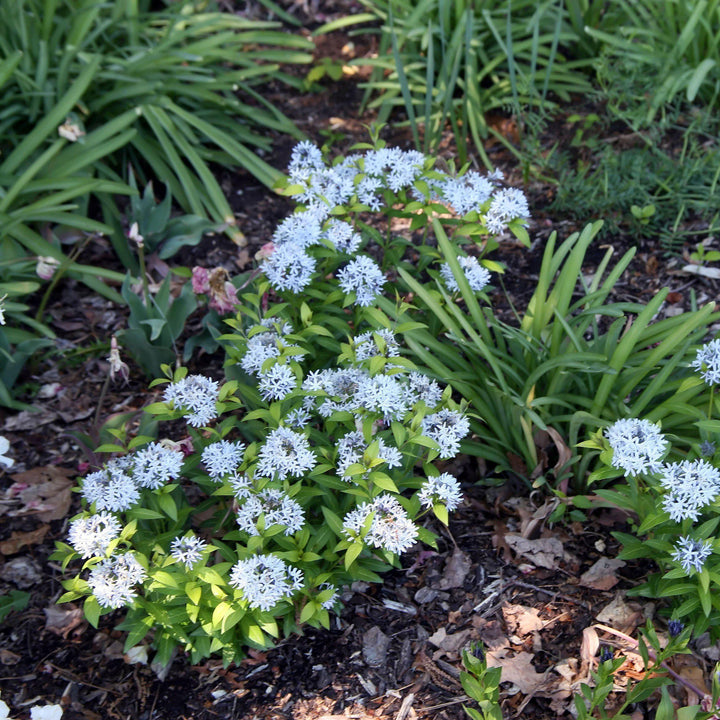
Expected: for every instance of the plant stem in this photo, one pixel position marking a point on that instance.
(57, 275)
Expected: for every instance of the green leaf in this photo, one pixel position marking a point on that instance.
(352, 553)
(441, 513)
(308, 611)
(92, 611)
(168, 506)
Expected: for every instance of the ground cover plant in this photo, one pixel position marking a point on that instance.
(331, 447)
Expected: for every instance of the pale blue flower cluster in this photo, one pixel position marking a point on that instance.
(92, 535)
(265, 580)
(222, 458)
(187, 550)
(707, 362)
(692, 485)
(276, 506)
(351, 448)
(363, 277)
(447, 428)
(444, 489)
(638, 446)
(476, 275)
(390, 528)
(373, 182)
(368, 345)
(506, 205)
(267, 342)
(277, 382)
(196, 395)
(116, 487)
(112, 488)
(114, 579)
(691, 553)
(285, 453)
(156, 465)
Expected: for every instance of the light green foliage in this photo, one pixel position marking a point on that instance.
(658, 52)
(654, 534)
(622, 184)
(21, 335)
(453, 62)
(373, 438)
(161, 233)
(198, 608)
(155, 323)
(572, 362)
(92, 89)
(482, 684)
(159, 88)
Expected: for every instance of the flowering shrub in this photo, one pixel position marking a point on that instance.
(672, 489)
(312, 466)
(321, 480)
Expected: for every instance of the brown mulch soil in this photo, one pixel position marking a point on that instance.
(394, 650)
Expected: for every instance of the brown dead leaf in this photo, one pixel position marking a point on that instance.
(44, 491)
(543, 552)
(618, 614)
(63, 620)
(456, 568)
(243, 259)
(498, 540)
(588, 650)
(7, 657)
(688, 667)
(521, 620)
(531, 527)
(451, 643)
(601, 576)
(29, 420)
(491, 633)
(518, 670)
(18, 540)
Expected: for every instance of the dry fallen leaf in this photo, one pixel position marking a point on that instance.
(451, 643)
(619, 614)
(601, 576)
(518, 670)
(20, 539)
(588, 650)
(63, 620)
(543, 552)
(7, 657)
(456, 568)
(521, 620)
(44, 491)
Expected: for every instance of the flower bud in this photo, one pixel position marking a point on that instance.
(46, 267)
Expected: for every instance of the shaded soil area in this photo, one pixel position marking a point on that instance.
(500, 576)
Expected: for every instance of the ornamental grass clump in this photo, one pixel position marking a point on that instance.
(671, 490)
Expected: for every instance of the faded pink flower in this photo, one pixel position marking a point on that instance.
(216, 285)
(265, 251)
(46, 266)
(200, 284)
(117, 366)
